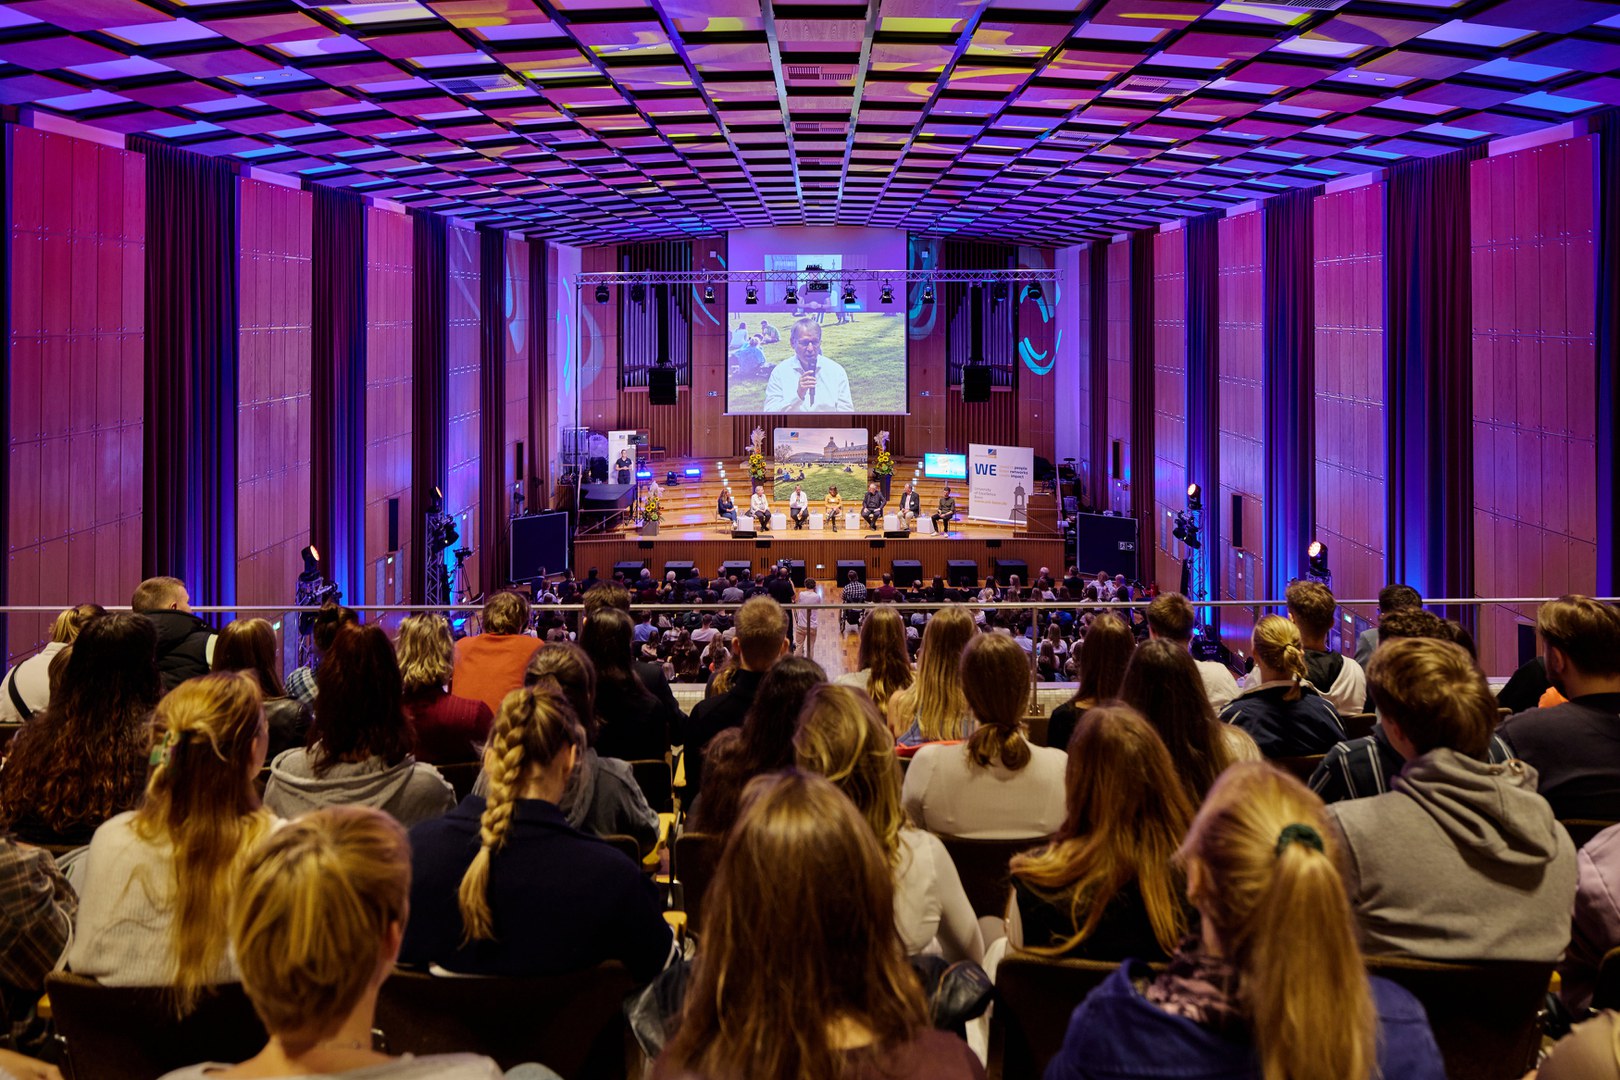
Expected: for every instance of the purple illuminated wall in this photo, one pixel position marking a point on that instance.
(1170, 401)
(1241, 571)
(461, 496)
(388, 402)
(1119, 379)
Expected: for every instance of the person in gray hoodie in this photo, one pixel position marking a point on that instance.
(1461, 860)
(359, 751)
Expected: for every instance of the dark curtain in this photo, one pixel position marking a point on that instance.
(189, 518)
(1143, 406)
(430, 375)
(1204, 387)
(1289, 367)
(1607, 128)
(493, 496)
(337, 489)
(1428, 374)
(1097, 348)
(536, 479)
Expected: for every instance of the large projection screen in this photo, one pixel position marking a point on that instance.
(860, 364)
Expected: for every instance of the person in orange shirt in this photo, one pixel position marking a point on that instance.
(490, 665)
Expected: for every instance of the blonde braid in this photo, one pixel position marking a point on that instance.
(505, 778)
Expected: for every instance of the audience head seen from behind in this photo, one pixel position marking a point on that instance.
(883, 653)
(1397, 597)
(426, 654)
(995, 681)
(360, 711)
(760, 638)
(842, 737)
(565, 665)
(934, 707)
(160, 594)
(1171, 616)
(250, 645)
(1311, 607)
(1162, 683)
(1430, 695)
(506, 612)
(1280, 653)
(762, 744)
(1582, 640)
(1104, 656)
(65, 629)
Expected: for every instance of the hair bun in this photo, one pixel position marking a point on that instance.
(1300, 834)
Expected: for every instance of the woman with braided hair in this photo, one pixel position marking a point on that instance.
(503, 885)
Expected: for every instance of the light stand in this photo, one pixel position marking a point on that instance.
(462, 554)
(1190, 531)
(441, 533)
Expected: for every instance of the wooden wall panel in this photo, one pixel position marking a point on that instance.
(389, 256)
(1535, 411)
(461, 496)
(1241, 572)
(1351, 448)
(515, 333)
(1119, 379)
(1169, 404)
(78, 235)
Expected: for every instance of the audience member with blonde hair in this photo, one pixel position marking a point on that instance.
(1274, 986)
(1461, 859)
(1163, 684)
(1105, 889)
(489, 665)
(883, 662)
(801, 973)
(250, 645)
(1338, 678)
(450, 729)
(1283, 712)
(1104, 655)
(933, 708)
(996, 786)
(505, 886)
(359, 751)
(158, 882)
(841, 736)
(26, 688)
(320, 911)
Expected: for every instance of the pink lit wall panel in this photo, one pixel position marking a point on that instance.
(1119, 379)
(461, 494)
(1242, 465)
(1090, 473)
(516, 337)
(1169, 402)
(388, 402)
(77, 368)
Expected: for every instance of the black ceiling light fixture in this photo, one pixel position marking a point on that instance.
(601, 294)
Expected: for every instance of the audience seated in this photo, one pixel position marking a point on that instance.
(1595, 928)
(1311, 607)
(1391, 598)
(610, 594)
(933, 708)
(323, 631)
(1461, 859)
(185, 645)
(1105, 888)
(26, 689)
(760, 644)
(801, 972)
(634, 723)
(1573, 746)
(505, 886)
(359, 751)
(1275, 985)
(764, 743)
(84, 758)
(841, 736)
(1104, 655)
(449, 729)
(883, 660)
(37, 907)
(489, 665)
(1590, 1052)
(158, 882)
(1171, 616)
(250, 645)
(1162, 683)
(1284, 713)
(996, 786)
(321, 908)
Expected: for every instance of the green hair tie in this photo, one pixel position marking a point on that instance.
(1302, 834)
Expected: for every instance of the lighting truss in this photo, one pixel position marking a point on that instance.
(1031, 276)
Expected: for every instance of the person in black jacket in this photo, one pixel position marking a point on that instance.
(185, 644)
(760, 643)
(608, 594)
(872, 507)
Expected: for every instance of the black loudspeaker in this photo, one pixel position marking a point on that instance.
(539, 542)
(846, 565)
(393, 524)
(1119, 460)
(661, 386)
(683, 570)
(630, 571)
(906, 571)
(744, 529)
(796, 571)
(975, 384)
(896, 534)
(1237, 521)
(517, 467)
(1004, 569)
(738, 569)
(961, 573)
(1105, 542)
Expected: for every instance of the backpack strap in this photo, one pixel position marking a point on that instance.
(16, 697)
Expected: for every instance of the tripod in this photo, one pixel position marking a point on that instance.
(459, 589)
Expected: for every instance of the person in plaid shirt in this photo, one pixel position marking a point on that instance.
(37, 908)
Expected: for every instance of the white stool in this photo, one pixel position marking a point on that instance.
(891, 522)
(778, 522)
(817, 520)
(852, 521)
(925, 526)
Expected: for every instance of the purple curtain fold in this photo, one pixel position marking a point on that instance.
(1097, 347)
(338, 391)
(5, 379)
(430, 375)
(1204, 388)
(1607, 128)
(192, 316)
(536, 493)
(1428, 368)
(1143, 406)
(493, 496)
(1289, 367)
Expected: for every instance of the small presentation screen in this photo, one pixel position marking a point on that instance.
(945, 466)
(818, 352)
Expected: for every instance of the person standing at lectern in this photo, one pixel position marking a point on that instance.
(947, 512)
(872, 507)
(799, 506)
(759, 506)
(623, 466)
(809, 382)
(726, 508)
(910, 507)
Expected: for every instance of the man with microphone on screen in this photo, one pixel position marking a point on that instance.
(809, 382)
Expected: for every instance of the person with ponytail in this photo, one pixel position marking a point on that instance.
(933, 708)
(883, 662)
(1104, 655)
(503, 885)
(996, 786)
(1274, 985)
(158, 882)
(1283, 712)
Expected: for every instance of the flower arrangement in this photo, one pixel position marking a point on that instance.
(884, 464)
(757, 467)
(650, 510)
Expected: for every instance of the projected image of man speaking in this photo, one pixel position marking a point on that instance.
(810, 382)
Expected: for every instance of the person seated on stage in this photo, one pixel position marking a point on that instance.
(759, 507)
(726, 507)
(947, 511)
(799, 506)
(872, 507)
(910, 507)
(833, 509)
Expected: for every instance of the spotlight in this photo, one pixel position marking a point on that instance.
(601, 294)
(1195, 497)
(638, 293)
(849, 294)
(1186, 531)
(928, 294)
(1034, 290)
(312, 559)
(998, 291)
(887, 295)
(1317, 553)
(791, 296)
(751, 294)
(708, 294)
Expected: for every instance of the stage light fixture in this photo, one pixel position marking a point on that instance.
(1317, 553)
(1034, 291)
(928, 294)
(1195, 497)
(751, 294)
(849, 294)
(708, 294)
(312, 559)
(887, 295)
(638, 293)
(791, 296)
(601, 294)
(998, 291)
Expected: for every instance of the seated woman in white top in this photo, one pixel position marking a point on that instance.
(933, 708)
(996, 786)
(158, 881)
(841, 737)
(317, 924)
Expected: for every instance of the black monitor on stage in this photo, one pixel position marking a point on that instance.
(683, 570)
(630, 571)
(962, 573)
(846, 565)
(741, 569)
(1105, 542)
(906, 571)
(1003, 569)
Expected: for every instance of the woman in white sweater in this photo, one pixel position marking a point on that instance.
(158, 881)
(996, 786)
(841, 736)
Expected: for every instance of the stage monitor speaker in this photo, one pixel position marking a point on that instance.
(1004, 569)
(741, 569)
(846, 565)
(661, 386)
(539, 544)
(683, 570)
(1105, 542)
(630, 571)
(906, 571)
(1118, 460)
(961, 573)
(744, 530)
(1237, 521)
(393, 524)
(896, 534)
(796, 571)
(976, 384)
